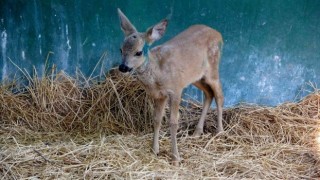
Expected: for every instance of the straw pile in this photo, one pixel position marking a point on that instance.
(60, 127)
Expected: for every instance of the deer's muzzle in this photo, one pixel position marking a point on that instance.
(123, 68)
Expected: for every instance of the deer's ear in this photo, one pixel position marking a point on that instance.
(156, 32)
(125, 24)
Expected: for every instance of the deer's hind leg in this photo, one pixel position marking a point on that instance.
(213, 80)
(219, 98)
(208, 97)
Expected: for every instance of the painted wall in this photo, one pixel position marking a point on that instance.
(271, 49)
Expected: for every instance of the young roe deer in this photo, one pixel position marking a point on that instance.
(192, 57)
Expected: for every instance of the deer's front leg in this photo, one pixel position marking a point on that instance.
(158, 114)
(174, 123)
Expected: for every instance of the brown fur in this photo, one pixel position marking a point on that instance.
(192, 57)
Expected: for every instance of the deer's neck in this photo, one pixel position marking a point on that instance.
(151, 77)
(144, 68)
(147, 72)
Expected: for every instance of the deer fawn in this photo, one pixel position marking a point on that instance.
(192, 57)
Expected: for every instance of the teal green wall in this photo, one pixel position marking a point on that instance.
(271, 49)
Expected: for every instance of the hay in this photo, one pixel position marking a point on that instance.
(61, 103)
(60, 127)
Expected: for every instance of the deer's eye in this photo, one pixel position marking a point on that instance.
(139, 53)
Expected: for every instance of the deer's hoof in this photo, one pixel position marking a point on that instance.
(175, 163)
(156, 151)
(197, 133)
(219, 130)
(155, 148)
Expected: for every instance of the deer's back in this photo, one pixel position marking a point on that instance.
(187, 57)
(196, 35)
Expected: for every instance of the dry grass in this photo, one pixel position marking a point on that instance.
(60, 127)
(60, 103)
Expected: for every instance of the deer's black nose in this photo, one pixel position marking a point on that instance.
(123, 68)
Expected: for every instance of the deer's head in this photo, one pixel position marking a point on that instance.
(134, 42)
